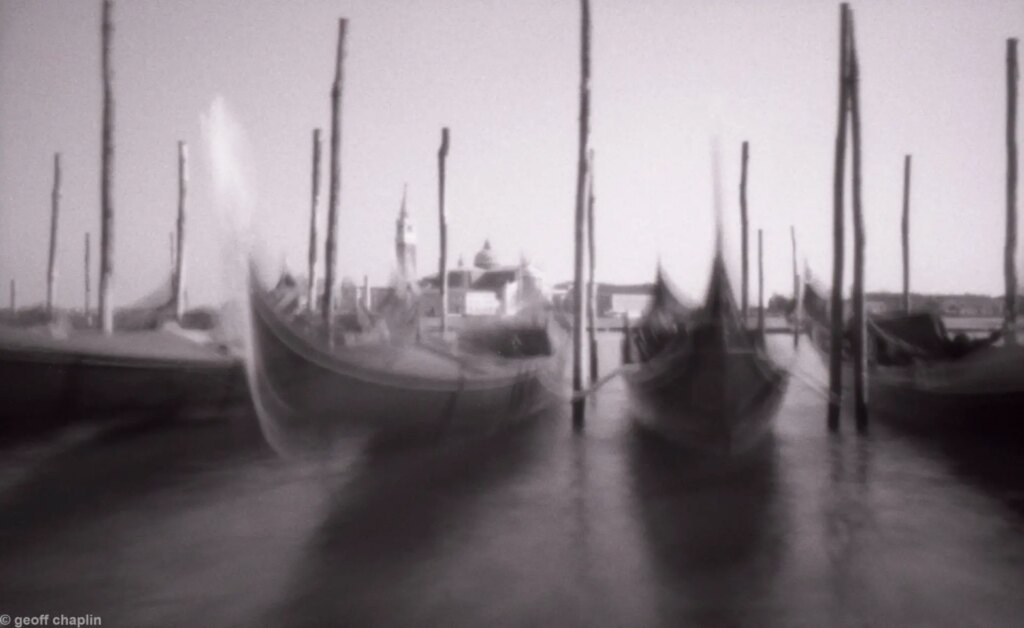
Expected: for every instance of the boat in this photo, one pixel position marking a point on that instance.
(922, 377)
(700, 379)
(59, 370)
(388, 385)
(149, 375)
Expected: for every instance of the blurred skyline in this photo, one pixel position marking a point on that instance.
(668, 78)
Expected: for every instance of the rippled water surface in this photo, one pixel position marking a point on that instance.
(202, 525)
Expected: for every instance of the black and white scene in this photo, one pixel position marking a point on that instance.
(511, 313)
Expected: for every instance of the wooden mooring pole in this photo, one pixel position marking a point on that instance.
(835, 382)
(591, 265)
(760, 286)
(627, 340)
(905, 229)
(334, 198)
(174, 264)
(744, 259)
(51, 267)
(1010, 266)
(442, 263)
(179, 241)
(311, 295)
(107, 176)
(860, 335)
(88, 277)
(797, 306)
(580, 235)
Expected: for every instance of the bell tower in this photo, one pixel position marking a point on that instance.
(405, 241)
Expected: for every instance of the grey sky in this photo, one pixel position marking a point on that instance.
(668, 76)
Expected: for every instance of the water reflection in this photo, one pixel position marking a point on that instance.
(992, 465)
(387, 532)
(847, 516)
(711, 529)
(537, 525)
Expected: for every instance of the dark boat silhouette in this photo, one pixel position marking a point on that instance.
(309, 393)
(55, 378)
(922, 377)
(701, 380)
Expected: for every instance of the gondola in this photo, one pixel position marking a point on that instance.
(925, 379)
(309, 393)
(147, 375)
(700, 379)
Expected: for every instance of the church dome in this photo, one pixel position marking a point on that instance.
(485, 258)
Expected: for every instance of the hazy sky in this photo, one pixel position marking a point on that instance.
(668, 77)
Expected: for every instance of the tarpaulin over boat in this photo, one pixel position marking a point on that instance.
(923, 332)
(920, 336)
(664, 321)
(898, 338)
(507, 340)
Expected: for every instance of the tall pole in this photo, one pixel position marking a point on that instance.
(860, 335)
(331, 246)
(14, 296)
(179, 252)
(797, 309)
(311, 296)
(1010, 268)
(107, 177)
(88, 276)
(442, 270)
(760, 286)
(627, 340)
(744, 269)
(905, 228)
(366, 293)
(836, 349)
(51, 268)
(581, 183)
(591, 267)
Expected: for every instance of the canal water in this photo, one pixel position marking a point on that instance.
(203, 525)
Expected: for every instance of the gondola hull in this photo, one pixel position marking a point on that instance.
(49, 387)
(977, 396)
(718, 404)
(310, 396)
(702, 381)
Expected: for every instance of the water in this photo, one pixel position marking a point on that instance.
(203, 525)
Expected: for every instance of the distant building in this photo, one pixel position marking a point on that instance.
(967, 305)
(971, 305)
(377, 298)
(487, 288)
(877, 306)
(611, 299)
(405, 242)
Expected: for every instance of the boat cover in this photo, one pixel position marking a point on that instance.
(899, 339)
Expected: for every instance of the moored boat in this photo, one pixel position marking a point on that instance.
(142, 375)
(922, 377)
(309, 394)
(701, 379)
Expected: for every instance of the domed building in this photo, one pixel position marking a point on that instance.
(484, 259)
(488, 288)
